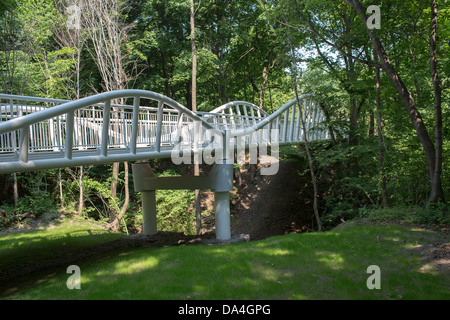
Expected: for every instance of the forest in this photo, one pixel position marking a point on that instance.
(381, 78)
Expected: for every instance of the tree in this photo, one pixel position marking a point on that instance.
(305, 140)
(10, 44)
(69, 35)
(384, 196)
(198, 211)
(433, 152)
(318, 21)
(7, 5)
(103, 22)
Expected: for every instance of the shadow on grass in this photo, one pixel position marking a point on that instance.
(27, 255)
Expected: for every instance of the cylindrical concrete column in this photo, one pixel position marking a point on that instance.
(149, 212)
(222, 205)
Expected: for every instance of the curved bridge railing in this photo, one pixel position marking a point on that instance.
(38, 133)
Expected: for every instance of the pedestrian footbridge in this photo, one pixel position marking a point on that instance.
(137, 125)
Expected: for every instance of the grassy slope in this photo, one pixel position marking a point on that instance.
(329, 265)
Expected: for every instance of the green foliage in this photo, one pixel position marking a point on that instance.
(429, 215)
(172, 208)
(38, 202)
(7, 5)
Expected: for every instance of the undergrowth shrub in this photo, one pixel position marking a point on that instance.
(172, 208)
(428, 215)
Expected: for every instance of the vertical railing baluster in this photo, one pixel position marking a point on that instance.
(69, 134)
(58, 133)
(23, 143)
(180, 127)
(285, 125)
(314, 121)
(105, 128)
(291, 128)
(12, 143)
(238, 112)
(310, 119)
(247, 120)
(134, 125)
(159, 120)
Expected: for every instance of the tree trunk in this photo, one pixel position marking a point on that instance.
(384, 196)
(16, 191)
(327, 119)
(166, 74)
(198, 211)
(61, 199)
(437, 193)
(113, 188)
(352, 138)
(371, 130)
(80, 200)
(305, 139)
(114, 225)
(266, 71)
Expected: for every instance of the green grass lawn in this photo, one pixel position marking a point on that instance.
(328, 265)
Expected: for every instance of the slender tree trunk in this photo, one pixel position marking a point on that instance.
(198, 211)
(266, 71)
(80, 200)
(437, 193)
(352, 138)
(371, 130)
(327, 118)
(16, 191)
(384, 196)
(61, 199)
(113, 189)
(166, 74)
(263, 87)
(115, 177)
(114, 225)
(305, 139)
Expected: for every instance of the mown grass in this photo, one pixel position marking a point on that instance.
(328, 265)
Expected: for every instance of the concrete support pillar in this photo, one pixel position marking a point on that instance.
(223, 184)
(149, 212)
(222, 205)
(142, 171)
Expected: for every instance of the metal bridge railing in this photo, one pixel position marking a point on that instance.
(51, 134)
(39, 133)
